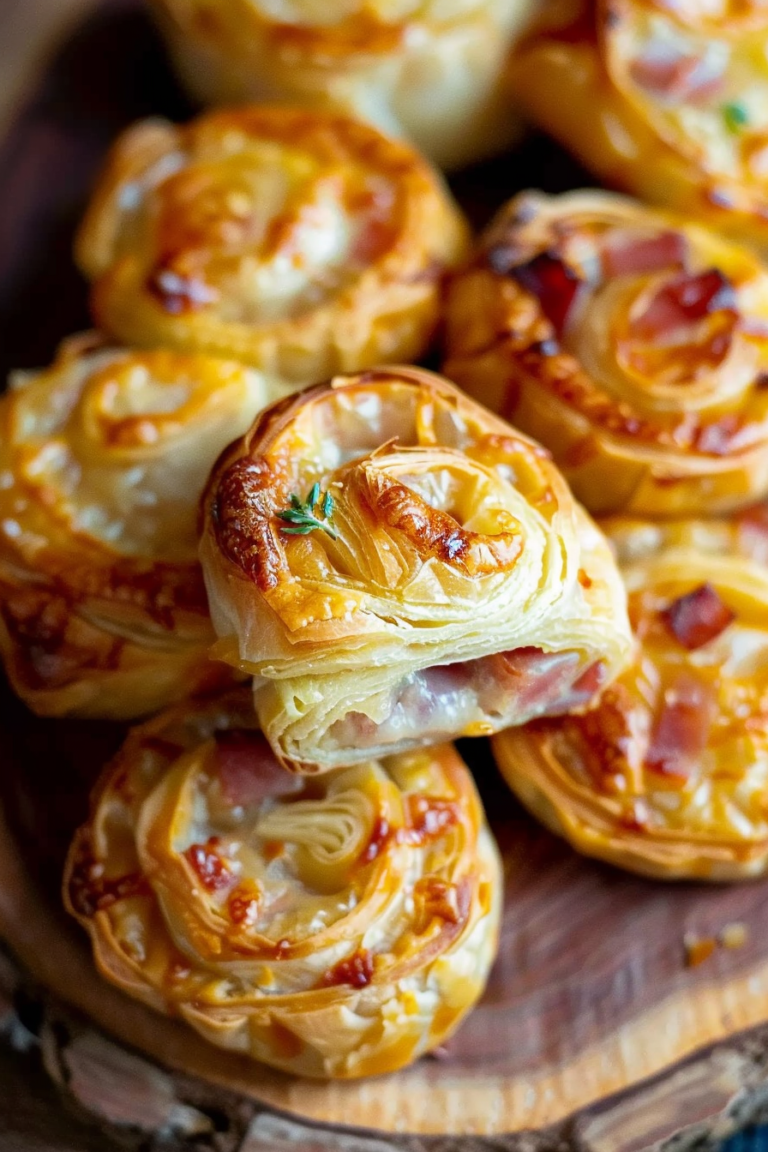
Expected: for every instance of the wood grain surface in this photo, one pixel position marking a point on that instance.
(590, 1002)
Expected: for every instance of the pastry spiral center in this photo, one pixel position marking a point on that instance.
(121, 452)
(447, 507)
(279, 858)
(255, 231)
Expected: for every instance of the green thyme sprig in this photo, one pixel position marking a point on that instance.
(302, 514)
(735, 115)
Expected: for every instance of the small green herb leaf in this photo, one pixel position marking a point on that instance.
(735, 116)
(302, 517)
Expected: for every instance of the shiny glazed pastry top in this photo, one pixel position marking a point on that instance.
(102, 460)
(633, 344)
(299, 242)
(667, 775)
(432, 70)
(396, 566)
(664, 98)
(333, 927)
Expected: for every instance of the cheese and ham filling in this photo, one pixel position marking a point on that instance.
(475, 697)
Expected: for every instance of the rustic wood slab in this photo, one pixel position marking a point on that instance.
(590, 1003)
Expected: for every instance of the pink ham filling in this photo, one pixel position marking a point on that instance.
(625, 252)
(499, 691)
(683, 302)
(666, 72)
(248, 770)
(681, 731)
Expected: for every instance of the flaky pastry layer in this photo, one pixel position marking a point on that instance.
(300, 242)
(103, 456)
(446, 583)
(338, 927)
(667, 775)
(632, 343)
(426, 69)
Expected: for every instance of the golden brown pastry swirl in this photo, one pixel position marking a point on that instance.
(336, 927)
(102, 459)
(433, 70)
(633, 344)
(667, 99)
(449, 584)
(667, 775)
(299, 242)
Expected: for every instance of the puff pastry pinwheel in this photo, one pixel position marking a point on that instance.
(102, 460)
(335, 927)
(667, 775)
(429, 69)
(667, 99)
(298, 242)
(633, 345)
(395, 565)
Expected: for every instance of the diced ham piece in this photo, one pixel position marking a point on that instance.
(536, 679)
(666, 72)
(553, 283)
(697, 617)
(247, 769)
(627, 253)
(356, 970)
(683, 301)
(590, 682)
(682, 727)
(212, 870)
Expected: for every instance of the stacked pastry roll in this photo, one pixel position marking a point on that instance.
(439, 580)
(634, 344)
(305, 591)
(300, 867)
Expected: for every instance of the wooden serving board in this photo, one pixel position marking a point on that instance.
(590, 1004)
